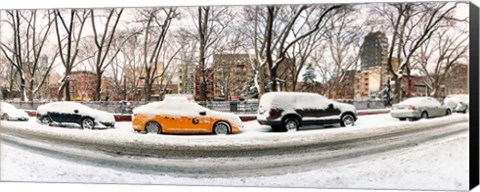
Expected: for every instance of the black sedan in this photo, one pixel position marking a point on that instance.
(73, 112)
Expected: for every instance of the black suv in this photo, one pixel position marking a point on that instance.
(287, 111)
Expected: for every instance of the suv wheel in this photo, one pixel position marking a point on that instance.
(291, 124)
(347, 120)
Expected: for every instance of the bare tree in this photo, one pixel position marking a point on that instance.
(69, 31)
(14, 54)
(127, 67)
(277, 27)
(156, 23)
(437, 56)
(211, 24)
(103, 44)
(412, 24)
(342, 42)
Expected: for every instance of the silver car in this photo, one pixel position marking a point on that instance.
(458, 103)
(419, 108)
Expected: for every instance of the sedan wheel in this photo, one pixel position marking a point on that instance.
(5, 117)
(347, 121)
(424, 115)
(152, 127)
(291, 124)
(88, 123)
(448, 112)
(221, 128)
(45, 120)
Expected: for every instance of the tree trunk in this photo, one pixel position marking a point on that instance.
(261, 82)
(22, 88)
(98, 86)
(30, 90)
(202, 23)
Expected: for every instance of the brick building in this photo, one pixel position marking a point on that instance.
(82, 85)
(210, 86)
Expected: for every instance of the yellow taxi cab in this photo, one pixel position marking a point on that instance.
(183, 117)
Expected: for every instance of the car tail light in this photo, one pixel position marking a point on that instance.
(272, 113)
(411, 107)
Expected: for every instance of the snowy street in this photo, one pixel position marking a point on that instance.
(425, 154)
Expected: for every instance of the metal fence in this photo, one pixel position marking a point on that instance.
(238, 107)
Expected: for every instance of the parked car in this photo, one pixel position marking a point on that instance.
(419, 108)
(11, 113)
(73, 112)
(458, 103)
(286, 111)
(183, 117)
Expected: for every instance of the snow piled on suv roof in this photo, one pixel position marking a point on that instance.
(293, 99)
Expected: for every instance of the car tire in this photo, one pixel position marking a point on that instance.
(5, 117)
(291, 124)
(221, 128)
(87, 123)
(402, 119)
(153, 127)
(45, 120)
(347, 120)
(424, 115)
(448, 112)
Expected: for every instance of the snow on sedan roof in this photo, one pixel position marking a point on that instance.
(420, 101)
(457, 98)
(69, 107)
(6, 106)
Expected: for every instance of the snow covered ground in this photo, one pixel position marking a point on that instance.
(435, 165)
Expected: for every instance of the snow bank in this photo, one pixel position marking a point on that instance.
(247, 141)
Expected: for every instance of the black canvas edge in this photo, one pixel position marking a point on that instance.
(474, 96)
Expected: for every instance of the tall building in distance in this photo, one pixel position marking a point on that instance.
(186, 78)
(373, 65)
(374, 50)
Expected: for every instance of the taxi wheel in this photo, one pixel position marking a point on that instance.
(153, 127)
(221, 128)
